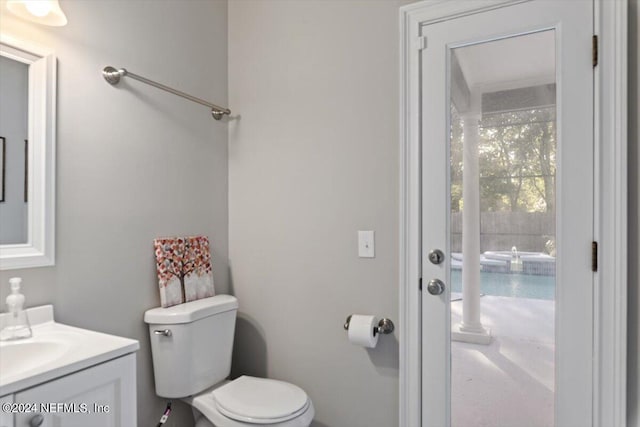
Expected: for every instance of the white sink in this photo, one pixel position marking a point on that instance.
(18, 357)
(54, 350)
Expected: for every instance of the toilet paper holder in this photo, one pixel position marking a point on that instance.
(385, 326)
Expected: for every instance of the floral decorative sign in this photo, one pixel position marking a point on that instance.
(184, 269)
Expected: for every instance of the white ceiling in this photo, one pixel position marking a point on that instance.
(509, 63)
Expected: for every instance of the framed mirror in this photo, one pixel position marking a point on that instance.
(27, 159)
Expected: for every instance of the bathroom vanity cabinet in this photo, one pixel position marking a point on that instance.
(102, 395)
(6, 418)
(66, 376)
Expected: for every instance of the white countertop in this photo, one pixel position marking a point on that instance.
(53, 351)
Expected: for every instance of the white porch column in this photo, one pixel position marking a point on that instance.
(471, 329)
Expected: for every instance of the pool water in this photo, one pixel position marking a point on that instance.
(510, 285)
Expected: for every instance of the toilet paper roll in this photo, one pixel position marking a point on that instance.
(361, 330)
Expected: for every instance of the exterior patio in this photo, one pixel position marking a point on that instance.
(510, 382)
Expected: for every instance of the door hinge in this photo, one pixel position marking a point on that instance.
(420, 284)
(594, 256)
(595, 50)
(421, 43)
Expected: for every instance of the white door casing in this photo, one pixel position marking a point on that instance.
(427, 384)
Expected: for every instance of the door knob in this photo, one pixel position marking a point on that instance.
(36, 420)
(436, 256)
(435, 287)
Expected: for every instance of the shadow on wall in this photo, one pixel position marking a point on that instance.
(386, 356)
(249, 348)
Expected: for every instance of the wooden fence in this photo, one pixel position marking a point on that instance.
(500, 231)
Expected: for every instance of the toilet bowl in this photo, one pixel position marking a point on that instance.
(249, 401)
(192, 344)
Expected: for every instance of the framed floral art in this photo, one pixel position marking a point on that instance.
(184, 269)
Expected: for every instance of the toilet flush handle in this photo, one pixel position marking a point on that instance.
(165, 332)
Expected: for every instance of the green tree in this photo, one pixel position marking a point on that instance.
(517, 156)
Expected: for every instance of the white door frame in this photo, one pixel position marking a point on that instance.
(610, 200)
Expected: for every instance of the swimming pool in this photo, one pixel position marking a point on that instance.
(510, 285)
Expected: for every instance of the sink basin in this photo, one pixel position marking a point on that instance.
(54, 350)
(17, 357)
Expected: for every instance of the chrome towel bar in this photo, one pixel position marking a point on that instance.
(113, 76)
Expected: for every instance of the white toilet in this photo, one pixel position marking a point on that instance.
(192, 344)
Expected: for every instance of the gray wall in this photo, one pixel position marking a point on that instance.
(633, 354)
(313, 159)
(14, 83)
(133, 163)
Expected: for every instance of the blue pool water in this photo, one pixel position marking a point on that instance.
(511, 285)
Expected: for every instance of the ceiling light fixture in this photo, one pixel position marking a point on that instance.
(46, 12)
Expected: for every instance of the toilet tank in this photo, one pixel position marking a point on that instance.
(191, 344)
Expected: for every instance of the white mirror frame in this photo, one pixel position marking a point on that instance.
(39, 250)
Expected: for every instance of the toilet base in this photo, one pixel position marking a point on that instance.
(201, 420)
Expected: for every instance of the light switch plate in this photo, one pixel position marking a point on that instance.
(366, 244)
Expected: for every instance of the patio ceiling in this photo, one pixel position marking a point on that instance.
(509, 63)
(506, 74)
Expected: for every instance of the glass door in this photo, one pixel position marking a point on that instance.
(502, 149)
(507, 216)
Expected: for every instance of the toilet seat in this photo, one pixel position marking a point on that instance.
(254, 398)
(260, 400)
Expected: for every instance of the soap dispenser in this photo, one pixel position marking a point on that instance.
(17, 325)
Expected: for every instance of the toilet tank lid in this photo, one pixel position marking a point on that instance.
(191, 311)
